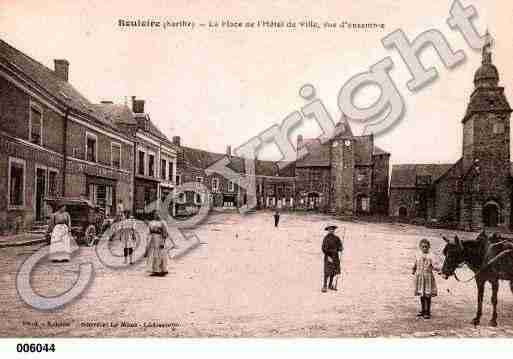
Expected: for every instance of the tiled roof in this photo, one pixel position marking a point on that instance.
(271, 168)
(116, 113)
(379, 151)
(203, 159)
(47, 80)
(318, 154)
(405, 175)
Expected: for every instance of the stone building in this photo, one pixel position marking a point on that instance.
(475, 191)
(53, 142)
(192, 165)
(154, 174)
(346, 176)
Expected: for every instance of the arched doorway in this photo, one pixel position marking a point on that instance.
(491, 214)
(403, 212)
(362, 204)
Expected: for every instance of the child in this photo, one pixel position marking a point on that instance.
(425, 285)
(128, 238)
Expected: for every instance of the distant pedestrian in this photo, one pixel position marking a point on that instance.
(331, 246)
(425, 284)
(276, 218)
(120, 211)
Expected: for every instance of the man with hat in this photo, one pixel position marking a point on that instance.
(331, 245)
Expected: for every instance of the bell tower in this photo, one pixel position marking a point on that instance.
(486, 142)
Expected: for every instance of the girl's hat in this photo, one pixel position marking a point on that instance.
(330, 226)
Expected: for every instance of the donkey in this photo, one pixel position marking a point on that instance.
(491, 260)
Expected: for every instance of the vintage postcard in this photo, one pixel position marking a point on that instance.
(275, 169)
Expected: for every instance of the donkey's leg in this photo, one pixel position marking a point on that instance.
(480, 291)
(495, 290)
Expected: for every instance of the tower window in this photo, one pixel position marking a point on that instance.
(498, 128)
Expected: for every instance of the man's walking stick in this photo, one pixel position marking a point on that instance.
(339, 261)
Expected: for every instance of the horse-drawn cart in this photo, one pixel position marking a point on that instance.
(87, 220)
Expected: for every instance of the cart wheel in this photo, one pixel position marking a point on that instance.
(90, 235)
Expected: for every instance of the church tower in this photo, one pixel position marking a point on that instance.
(486, 148)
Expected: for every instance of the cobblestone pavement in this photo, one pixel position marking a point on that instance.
(249, 279)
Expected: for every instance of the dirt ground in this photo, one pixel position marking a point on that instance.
(249, 279)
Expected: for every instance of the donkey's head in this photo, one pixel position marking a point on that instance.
(453, 253)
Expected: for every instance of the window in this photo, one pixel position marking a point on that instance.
(141, 166)
(197, 198)
(16, 181)
(199, 179)
(215, 184)
(498, 128)
(115, 155)
(163, 169)
(181, 197)
(52, 183)
(91, 147)
(360, 177)
(231, 186)
(36, 125)
(178, 180)
(316, 176)
(171, 170)
(151, 165)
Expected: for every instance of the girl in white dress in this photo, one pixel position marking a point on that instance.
(425, 284)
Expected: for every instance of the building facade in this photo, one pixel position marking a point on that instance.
(474, 192)
(155, 165)
(54, 143)
(346, 176)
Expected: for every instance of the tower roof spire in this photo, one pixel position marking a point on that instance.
(487, 53)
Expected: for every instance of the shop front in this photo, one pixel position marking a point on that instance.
(102, 192)
(146, 193)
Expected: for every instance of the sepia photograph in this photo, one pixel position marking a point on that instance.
(271, 170)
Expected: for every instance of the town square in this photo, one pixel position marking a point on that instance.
(250, 279)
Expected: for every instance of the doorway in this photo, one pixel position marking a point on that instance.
(491, 214)
(40, 194)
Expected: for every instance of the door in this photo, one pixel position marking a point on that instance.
(40, 193)
(491, 215)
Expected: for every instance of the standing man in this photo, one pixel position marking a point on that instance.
(276, 218)
(120, 211)
(331, 246)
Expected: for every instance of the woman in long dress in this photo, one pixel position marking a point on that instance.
(60, 242)
(157, 253)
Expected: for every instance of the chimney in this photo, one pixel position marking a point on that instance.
(61, 69)
(176, 141)
(229, 151)
(137, 105)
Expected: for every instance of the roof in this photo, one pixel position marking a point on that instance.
(116, 113)
(47, 80)
(203, 159)
(379, 151)
(405, 175)
(271, 168)
(318, 154)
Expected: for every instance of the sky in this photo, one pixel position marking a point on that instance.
(219, 87)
